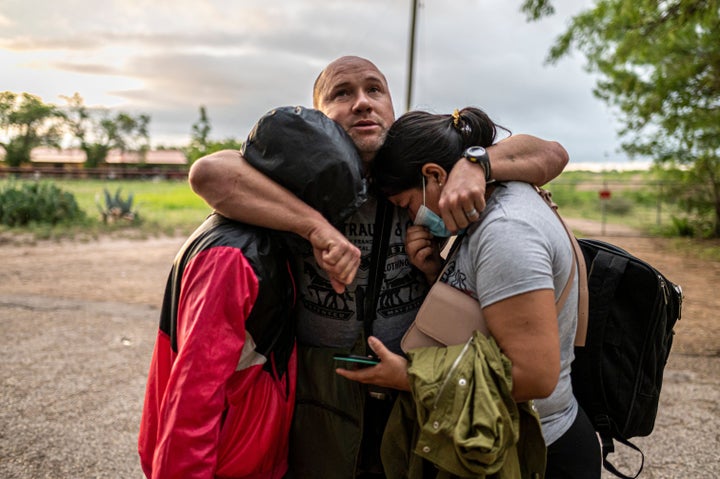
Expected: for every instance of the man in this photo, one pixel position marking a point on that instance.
(221, 388)
(338, 423)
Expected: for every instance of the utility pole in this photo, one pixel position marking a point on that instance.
(411, 56)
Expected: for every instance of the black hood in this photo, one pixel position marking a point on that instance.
(310, 155)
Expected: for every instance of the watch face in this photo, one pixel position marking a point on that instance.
(475, 151)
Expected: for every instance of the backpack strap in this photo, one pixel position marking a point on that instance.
(378, 255)
(583, 297)
(608, 447)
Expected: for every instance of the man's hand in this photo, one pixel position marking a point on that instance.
(463, 197)
(338, 257)
(390, 372)
(423, 251)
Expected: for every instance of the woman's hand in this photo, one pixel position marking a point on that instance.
(423, 251)
(391, 372)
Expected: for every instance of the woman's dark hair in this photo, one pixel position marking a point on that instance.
(419, 137)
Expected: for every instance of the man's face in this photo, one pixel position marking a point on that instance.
(355, 94)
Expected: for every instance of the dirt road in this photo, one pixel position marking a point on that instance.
(79, 322)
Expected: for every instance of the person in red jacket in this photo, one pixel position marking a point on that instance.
(221, 387)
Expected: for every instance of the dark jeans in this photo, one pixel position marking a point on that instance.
(576, 455)
(377, 412)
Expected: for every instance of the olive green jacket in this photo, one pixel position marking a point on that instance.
(461, 418)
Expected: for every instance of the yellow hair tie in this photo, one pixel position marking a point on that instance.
(456, 118)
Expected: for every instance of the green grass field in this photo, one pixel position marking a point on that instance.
(635, 199)
(171, 206)
(168, 207)
(164, 208)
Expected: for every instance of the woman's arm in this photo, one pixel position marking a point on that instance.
(390, 372)
(525, 327)
(519, 157)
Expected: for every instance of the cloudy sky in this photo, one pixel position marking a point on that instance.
(240, 58)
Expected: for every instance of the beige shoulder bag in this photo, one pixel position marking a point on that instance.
(450, 316)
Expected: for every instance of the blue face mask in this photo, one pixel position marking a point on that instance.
(427, 218)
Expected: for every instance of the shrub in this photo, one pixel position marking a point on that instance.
(37, 202)
(116, 208)
(681, 227)
(690, 227)
(619, 206)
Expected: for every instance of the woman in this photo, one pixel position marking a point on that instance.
(515, 262)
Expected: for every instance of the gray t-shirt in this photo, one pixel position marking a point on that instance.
(520, 246)
(328, 319)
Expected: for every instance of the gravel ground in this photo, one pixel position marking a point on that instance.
(79, 322)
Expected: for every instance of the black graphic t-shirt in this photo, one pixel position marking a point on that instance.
(328, 319)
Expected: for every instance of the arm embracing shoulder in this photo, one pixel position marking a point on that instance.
(519, 157)
(235, 189)
(527, 158)
(230, 185)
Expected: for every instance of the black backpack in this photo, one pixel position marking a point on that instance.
(629, 310)
(617, 375)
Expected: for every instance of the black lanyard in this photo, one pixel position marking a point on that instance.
(378, 258)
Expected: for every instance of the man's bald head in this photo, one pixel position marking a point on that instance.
(337, 67)
(354, 93)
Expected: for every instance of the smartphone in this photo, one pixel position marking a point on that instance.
(362, 361)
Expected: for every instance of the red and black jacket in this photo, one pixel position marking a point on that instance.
(221, 387)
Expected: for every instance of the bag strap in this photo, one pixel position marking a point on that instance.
(583, 296)
(608, 447)
(450, 248)
(378, 255)
(566, 291)
(454, 244)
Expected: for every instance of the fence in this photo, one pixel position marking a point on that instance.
(592, 206)
(105, 173)
(625, 207)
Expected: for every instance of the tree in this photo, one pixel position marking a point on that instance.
(99, 132)
(200, 143)
(201, 130)
(659, 65)
(28, 122)
(536, 9)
